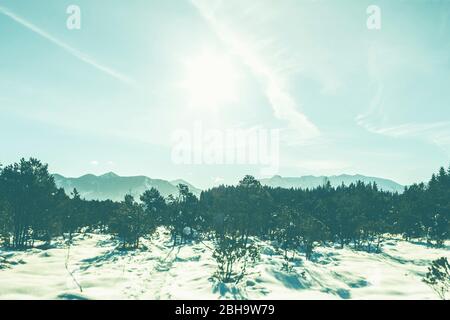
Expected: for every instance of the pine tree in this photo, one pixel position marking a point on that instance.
(130, 223)
(234, 250)
(5, 223)
(154, 206)
(28, 188)
(184, 217)
(288, 234)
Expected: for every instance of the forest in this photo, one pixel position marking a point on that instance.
(33, 211)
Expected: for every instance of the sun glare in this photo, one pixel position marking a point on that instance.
(210, 80)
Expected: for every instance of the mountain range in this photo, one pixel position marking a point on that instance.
(114, 187)
(335, 181)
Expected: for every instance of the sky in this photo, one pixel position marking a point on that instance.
(141, 78)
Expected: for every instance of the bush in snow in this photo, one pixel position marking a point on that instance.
(233, 254)
(438, 277)
(131, 222)
(236, 216)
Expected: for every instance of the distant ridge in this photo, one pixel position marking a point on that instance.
(114, 187)
(310, 182)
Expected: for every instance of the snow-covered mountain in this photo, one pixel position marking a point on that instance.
(114, 187)
(313, 182)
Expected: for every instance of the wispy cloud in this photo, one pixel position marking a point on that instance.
(437, 133)
(375, 119)
(283, 104)
(413, 129)
(74, 52)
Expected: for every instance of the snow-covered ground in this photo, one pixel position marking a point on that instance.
(162, 272)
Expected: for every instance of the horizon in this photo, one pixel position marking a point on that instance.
(235, 183)
(191, 89)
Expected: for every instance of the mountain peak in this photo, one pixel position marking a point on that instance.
(109, 175)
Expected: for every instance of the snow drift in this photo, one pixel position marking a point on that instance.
(94, 268)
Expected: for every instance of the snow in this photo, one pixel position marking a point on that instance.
(159, 271)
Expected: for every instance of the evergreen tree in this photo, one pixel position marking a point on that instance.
(437, 222)
(287, 234)
(130, 223)
(5, 223)
(234, 250)
(73, 214)
(184, 217)
(154, 206)
(28, 188)
(312, 233)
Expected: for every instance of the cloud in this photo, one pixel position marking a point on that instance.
(413, 129)
(218, 180)
(94, 163)
(283, 104)
(74, 52)
(375, 119)
(437, 133)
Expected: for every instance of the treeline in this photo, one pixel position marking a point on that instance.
(33, 209)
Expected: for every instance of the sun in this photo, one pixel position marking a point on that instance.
(210, 80)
